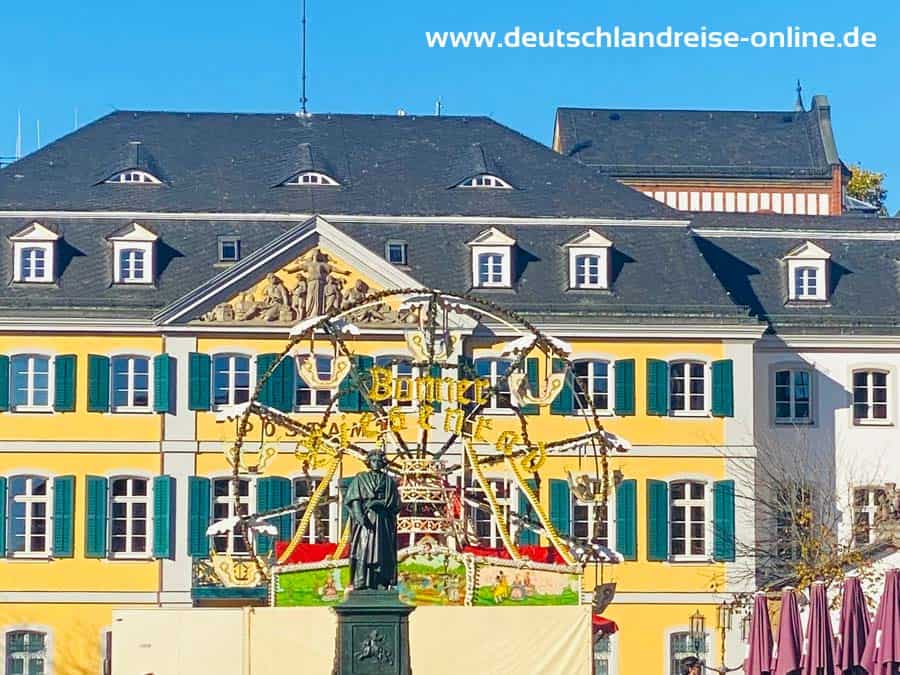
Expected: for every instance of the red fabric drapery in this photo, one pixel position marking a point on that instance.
(603, 625)
(305, 553)
(541, 554)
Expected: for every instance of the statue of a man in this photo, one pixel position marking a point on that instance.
(374, 502)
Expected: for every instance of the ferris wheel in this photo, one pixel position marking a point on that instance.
(448, 424)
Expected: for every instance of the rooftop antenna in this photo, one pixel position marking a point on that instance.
(19, 136)
(437, 107)
(303, 98)
(75, 124)
(798, 104)
(38, 134)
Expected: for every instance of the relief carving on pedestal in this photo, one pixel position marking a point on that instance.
(311, 285)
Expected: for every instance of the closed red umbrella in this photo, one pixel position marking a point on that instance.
(882, 653)
(819, 653)
(759, 657)
(854, 627)
(788, 650)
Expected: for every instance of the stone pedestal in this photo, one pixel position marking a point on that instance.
(373, 634)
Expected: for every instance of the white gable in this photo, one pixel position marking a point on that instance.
(492, 237)
(590, 239)
(807, 251)
(133, 232)
(35, 232)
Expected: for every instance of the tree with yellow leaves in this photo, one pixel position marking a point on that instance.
(867, 186)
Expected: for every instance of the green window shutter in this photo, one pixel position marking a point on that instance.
(95, 517)
(263, 488)
(350, 398)
(657, 387)
(163, 516)
(657, 520)
(624, 387)
(161, 398)
(723, 388)
(435, 371)
(560, 506)
(527, 537)
(723, 520)
(199, 381)
(98, 383)
(626, 518)
(563, 403)
(278, 391)
(273, 492)
(345, 512)
(531, 373)
(64, 516)
(4, 383)
(64, 383)
(2, 517)
(198, 516)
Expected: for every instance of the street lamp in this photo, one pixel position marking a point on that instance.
(724, 615)
(698, 631)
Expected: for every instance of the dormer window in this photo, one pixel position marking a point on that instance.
(395, 252)
(807, 270)
(485, 180)
(311, 179)
(134, 250)
(589, 261)
(134, 176)
(34, 255)
(492, 259)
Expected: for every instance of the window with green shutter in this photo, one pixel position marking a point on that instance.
(161, 395)
(723, 521)
(345, 512)
(723, 388)
(163, 516)
(95, 517)
(198, 381)
(2, 516)
(657, 387)
(527, 537)
(64, 516)
(624, 375)
(564, 401)
(273, 492)
(350, 398)
(626, 518)
(657, 520)
(532, 366)
(198, 516)
(560, 505)
(4, 383)
(64, 383)
(278, 390)
(98, 383)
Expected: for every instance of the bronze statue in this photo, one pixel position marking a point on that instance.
(374, 502)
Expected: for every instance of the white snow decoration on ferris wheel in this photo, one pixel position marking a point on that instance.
(254, 525)
(231, 412)
(524, 344)
(561, 345)
(350, 328)
(617, 441)
(301, 327)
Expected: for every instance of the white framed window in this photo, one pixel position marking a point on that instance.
(311, 179)
(307, 397)
(27, 652)
(134, 250)
(487, 529)
(590, 519)
(130, 383)
(400, 367)
(594, 382)
(871, 397)
(587, 271)
(793, 504)
(395, 252)
(321, 529)
(807, 272)
(688, 519)
(34, 255)
(130, 521)
(223, 506)
(793, 396)
(589, 255)
(32, 385)
(492, 253)
(29, 516)
(682, 646)
(231, 379)
(866, 503)
(495, 370)
(134, 177)
(687, 387)
(485, 180)
(229, 249)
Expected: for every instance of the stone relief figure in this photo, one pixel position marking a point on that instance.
(317, 270)
(332, 294)
(275, 298)
(298, 297)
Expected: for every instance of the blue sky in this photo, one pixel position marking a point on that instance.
(235, 55)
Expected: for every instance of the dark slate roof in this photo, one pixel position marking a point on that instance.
(387, 165)
(700, 143)
(658, 272)
(864, 295)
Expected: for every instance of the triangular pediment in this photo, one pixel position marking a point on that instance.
(133, 232)
(308, 271)
(807, 251)
(35, 232)
(492, 237)
(589, 239)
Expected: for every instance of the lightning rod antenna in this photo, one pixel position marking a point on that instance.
(303, 98)
(19, 135)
